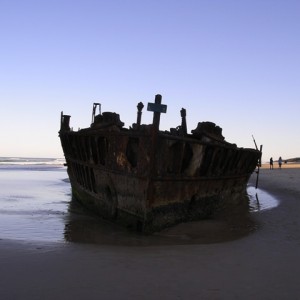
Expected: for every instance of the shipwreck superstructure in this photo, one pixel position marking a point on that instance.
(147, 179)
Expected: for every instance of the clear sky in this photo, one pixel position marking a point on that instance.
(232, 62)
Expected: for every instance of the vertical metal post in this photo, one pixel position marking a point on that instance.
(140, 107)
(94, 110)
(258, 166)
(183, 120)
(156, 115)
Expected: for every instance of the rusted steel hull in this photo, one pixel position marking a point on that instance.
(148, 180)
(132, 211)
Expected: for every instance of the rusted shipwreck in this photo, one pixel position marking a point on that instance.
(147, 179)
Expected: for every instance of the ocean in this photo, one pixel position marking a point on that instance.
(34, 198)
(36, 205)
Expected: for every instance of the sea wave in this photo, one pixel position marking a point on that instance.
(31, 161)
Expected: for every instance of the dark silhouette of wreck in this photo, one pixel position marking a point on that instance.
(147, 179)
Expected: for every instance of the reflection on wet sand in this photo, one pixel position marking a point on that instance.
(229, 224)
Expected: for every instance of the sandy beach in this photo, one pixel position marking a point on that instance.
(262, 265)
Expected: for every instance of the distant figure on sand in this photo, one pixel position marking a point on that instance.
(280, 162)
(271, 163)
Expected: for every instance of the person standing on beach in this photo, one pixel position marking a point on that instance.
(271, 163)
(280, 162)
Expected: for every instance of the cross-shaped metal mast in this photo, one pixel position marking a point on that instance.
(157, 108)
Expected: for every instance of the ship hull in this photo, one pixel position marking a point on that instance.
(228, 192)
(147, 184)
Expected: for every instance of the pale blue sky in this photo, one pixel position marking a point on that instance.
(235, 63)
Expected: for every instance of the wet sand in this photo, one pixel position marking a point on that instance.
(261, 265)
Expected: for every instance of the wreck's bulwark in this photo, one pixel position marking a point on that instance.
(147, 179)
